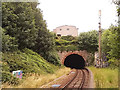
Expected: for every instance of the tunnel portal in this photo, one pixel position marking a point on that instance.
(74, 61)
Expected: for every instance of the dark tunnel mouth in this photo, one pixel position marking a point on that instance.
(74, 61)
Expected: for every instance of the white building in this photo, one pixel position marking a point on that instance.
(66, 30)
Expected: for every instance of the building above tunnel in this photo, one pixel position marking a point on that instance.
(66, 30)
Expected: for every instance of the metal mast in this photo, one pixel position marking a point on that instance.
(100, 37)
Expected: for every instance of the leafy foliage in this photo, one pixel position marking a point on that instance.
(27, 61)
(23, 27)
(62, 42)
(24, 24)
(111, 42)
(68, 38)
(66, 43)
(114, 63)
(18, 20)
(8, 77)
(114, 42)
(53, 58)
(90, 59)
(104, 41)
(117, 2)
(8, 43)
(88, 41)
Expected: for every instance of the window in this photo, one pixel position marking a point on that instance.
(58, 34)
(67, 28)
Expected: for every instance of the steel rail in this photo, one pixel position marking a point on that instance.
(83, 76)
(83, 79)
(65, 86)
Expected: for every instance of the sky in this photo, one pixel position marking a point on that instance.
(84, 14)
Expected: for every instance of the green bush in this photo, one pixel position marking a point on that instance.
(90, 60)
(62, 42)
(8, 77)
(74, 42)
(5, 67)
(67, 48)
(8, 43)
(60, 48)
(114, 63)
(71, 48)
(66, 43)
(68, 38)
(53, 58)
(27, 61)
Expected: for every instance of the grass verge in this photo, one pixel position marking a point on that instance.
(105, 77)
(35, 80)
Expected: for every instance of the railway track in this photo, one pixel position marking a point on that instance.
(80, 80)
(77, 79)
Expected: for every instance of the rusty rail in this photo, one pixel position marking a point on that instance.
(79, 80)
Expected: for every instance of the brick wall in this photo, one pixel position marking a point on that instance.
(64, 54)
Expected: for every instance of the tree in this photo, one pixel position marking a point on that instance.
(114, 42)
(24, 22)
(44, 43)
(117, 2)
(18, 20)
(88, 41)
(104, 41)
(111, 45)
(8, 43)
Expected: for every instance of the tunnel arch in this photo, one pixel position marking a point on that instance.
(74, 61)
(84, 54)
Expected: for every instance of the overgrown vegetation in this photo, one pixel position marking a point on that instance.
(23, 26)
(111, 41)
(111, 45)
(105, 77)
(88, 41)
(37, 80)
(27, 44)
(25, 60)
(66, 43)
